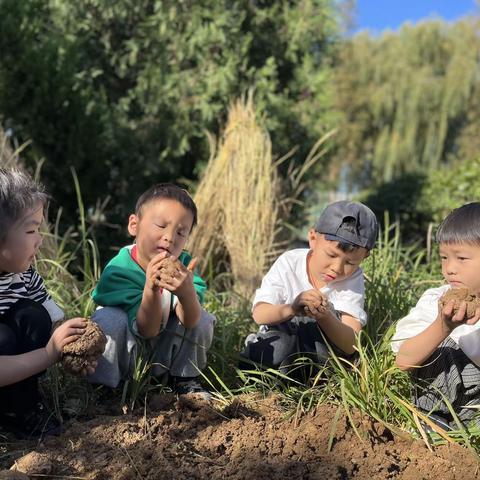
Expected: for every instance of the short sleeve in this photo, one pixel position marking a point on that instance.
(350, 302)
(38, 293)
(273, 288)
(418, 319)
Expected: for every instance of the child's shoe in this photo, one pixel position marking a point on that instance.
(184, 385)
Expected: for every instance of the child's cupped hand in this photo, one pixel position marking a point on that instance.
(310, 303)
(66, 333)
(152, 274)
(179, 280)
(453, 319)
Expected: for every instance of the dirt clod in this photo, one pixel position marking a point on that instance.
(34, 464)
(460, 295)
(322, 305)
(169, 267)
(81, 353)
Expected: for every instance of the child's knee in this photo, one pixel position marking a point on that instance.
(203, 330)
(8, 341)
(112, 320)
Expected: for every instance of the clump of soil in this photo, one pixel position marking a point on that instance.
(169, 267)
(322, 305)
(84, 351)
(460, 295)
(34, 464)
(252, 438)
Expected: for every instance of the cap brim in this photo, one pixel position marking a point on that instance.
(336, 238)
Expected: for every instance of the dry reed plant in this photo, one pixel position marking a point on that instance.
(8, 157)
(206, 240)
(237, 199)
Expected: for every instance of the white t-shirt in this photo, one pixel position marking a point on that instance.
(288, 277)
(467, 337)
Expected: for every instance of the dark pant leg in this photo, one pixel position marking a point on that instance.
(26, 326)
(448, 374)
(270, 347)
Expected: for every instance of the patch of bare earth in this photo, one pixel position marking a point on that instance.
(250, 439)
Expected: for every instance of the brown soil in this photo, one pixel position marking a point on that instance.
(460, 295)
(169, 267)
(250, 439)
(322, 305)
(81, 353)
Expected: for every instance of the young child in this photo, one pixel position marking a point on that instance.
(442, 348)
(165, 314)
(26, 309)
(288, 305)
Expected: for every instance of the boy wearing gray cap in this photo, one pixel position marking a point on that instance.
(314, 293)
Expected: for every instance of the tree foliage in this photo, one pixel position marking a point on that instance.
(408, 100)
(123, 91)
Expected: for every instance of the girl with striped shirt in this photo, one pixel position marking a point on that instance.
(27, 311)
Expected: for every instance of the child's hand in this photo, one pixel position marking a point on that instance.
(308, 303)
(152, 281)
(66, 333)
(453, 320)
(180, 280)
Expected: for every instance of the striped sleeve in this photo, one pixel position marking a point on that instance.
(38, 293)
(35, 286)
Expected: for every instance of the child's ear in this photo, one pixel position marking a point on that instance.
(133, 224)
(312, 236)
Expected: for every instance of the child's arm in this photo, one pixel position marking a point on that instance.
(416, 350)
(14, 368)
(271, 314)
(188, 308)
(343, 334)
(149, 315)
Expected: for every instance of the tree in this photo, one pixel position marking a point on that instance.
(123, 91)
(406, 99)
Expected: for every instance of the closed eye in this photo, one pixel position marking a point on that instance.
(159, 225)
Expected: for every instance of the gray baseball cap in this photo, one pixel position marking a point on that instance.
(350, 222)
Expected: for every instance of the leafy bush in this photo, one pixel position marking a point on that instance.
(123, 91)
(450, 187)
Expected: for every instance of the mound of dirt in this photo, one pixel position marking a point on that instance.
(460, 295)
(251, 438)
(81, 353)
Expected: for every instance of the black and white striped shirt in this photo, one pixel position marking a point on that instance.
(29, 284)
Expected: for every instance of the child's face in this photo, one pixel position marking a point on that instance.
(164, 225)
(22, 243)
(461, 265)
(328, 262)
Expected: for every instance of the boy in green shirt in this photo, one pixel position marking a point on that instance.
(144, 300)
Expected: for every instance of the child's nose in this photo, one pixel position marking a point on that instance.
(168, 236)
(450, 267)
(337, 267)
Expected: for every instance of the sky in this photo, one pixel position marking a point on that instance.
(378, 15)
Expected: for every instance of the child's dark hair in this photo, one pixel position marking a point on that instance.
(18, 194)
(462, 225)
(169, 191)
